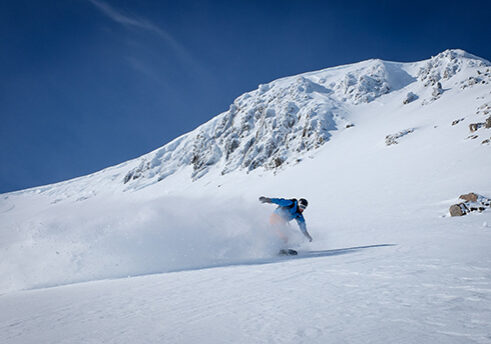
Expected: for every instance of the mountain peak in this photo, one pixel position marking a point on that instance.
(447, 64)
(462, 54)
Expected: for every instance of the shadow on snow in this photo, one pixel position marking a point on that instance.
(337, 252)
(234, 263)
(281, 259)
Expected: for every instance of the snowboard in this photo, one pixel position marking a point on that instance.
(287, 252)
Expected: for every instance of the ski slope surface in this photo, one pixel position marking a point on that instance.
(174, 247)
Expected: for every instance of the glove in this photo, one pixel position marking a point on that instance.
(263, 199)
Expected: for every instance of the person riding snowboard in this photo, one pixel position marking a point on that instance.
(287, 210)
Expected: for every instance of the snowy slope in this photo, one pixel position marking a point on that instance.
(380, 149)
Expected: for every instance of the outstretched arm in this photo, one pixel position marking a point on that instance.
(279, 201)
(303, 227)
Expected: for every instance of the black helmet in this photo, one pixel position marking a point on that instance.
(302, 203)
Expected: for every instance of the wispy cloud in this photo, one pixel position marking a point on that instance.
(132, 21)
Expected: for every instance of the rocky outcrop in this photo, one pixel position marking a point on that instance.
(364, 87)
(410, 97)
(472, 202)
(470, 197)
(475, 126)
(392, 139)
(137, 172)
(484, 109)
(482, 77)
(457, 121)
(437, 90)
(448, 63)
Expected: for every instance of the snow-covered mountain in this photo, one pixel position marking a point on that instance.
(380, 149)
(278, 123)
(273, 125)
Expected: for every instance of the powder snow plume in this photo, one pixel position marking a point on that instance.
(124, 239)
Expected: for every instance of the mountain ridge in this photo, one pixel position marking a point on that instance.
(297, 113)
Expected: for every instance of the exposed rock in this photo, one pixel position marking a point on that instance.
(137, 172)
(457, 121)
(484, 109)
(410, 97)
(482, 78)
(457, 210)
(471, 197)
(364, 88)
(392, 139)
(277, 162)
(487, 124)
(475, 126)
(443, 66)
(436, 94)
(127, 177)
(473, 202)
(437, 90)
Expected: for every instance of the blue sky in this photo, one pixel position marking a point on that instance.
(87, 84)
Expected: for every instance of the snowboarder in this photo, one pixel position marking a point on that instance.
(287, 210)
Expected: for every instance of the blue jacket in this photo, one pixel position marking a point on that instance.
(288, 210)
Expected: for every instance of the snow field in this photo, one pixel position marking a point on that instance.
(401, 293)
